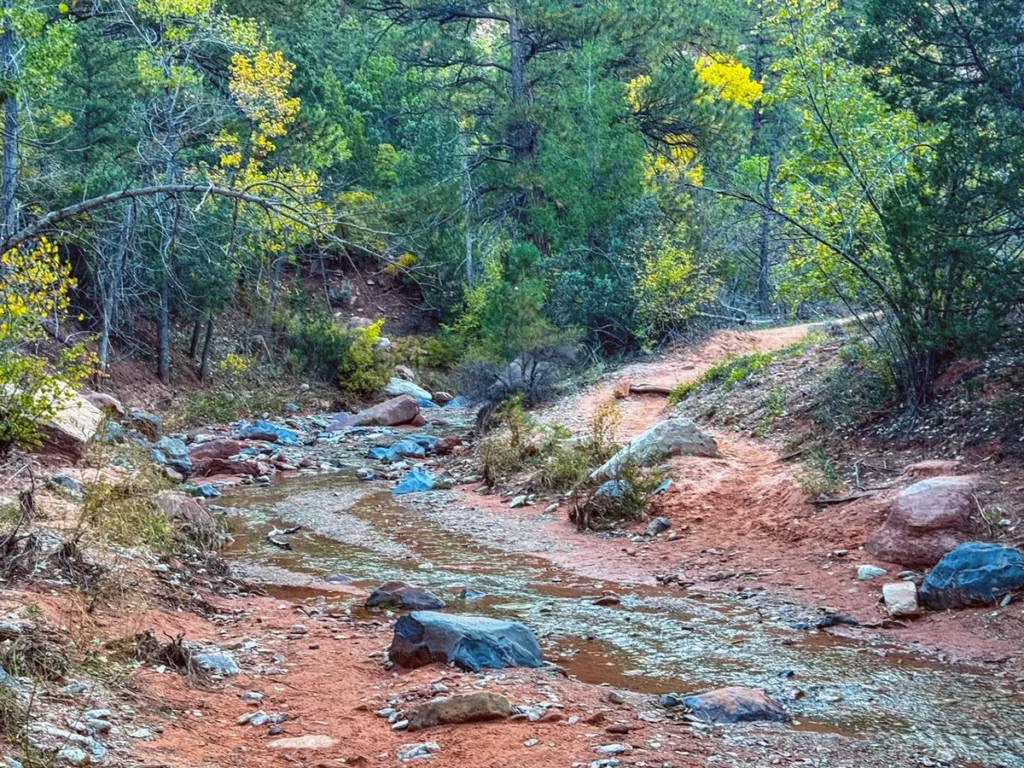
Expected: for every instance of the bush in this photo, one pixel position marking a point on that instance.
(596, 511)
(351, 358)
(568, 463)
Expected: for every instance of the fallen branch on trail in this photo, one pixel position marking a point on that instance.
(625, 389)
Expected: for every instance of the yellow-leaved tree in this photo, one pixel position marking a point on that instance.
(35, 287)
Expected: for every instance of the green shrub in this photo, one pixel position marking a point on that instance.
(774, 409)
(326, 351)
(595, 511)
(568, 463)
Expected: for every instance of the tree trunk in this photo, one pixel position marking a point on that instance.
(193, 348)
(207, 349)
(9, 180)
(524, 132)
(764, 236)
(164, 333)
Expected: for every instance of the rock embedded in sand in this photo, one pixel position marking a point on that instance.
(408, 752)
(925, 521)
(900, 599)
(469, 642)
(736, 705)
(399, 594)
(468, 708)
(313, 741)
(674, 437)
(932, 468)
(974, 573)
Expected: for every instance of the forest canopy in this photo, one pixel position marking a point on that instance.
(607, 174)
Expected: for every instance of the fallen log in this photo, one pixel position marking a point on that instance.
(624, 389)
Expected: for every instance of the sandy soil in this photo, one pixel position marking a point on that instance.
(742, 521)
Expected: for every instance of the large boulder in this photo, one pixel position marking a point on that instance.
(469, 642)
(398, 594)
(398, 387)
(183, 509)
(736, 705)
(468, 708)
(925, 521)
(390, 413)
(109, 404)
(675, 437)
(223, 448)
(74, 425)
(974, 573)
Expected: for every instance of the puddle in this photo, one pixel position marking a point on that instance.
(658, 640)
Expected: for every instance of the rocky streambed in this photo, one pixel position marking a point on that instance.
(609, 626)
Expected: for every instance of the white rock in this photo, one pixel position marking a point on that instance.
(900, 598)
(674, 437)
(869, 572)
(303, 742)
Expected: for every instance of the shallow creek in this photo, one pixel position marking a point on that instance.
(658, 640)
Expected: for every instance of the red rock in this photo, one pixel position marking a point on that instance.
(418, 420)
(180, 508)
(442, 397)
(231, 467)
(595, 719)
(216, 449)
(391, 413)
(926, 521)
(736, 705)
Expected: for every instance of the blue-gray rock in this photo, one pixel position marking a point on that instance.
(658, 525)
(671, 700)
(397, 387)
(264, 430)
(110, 433)
(147, 424)
(469, 642)
(339, 578)
(218, 663)
(974, 573)
(397, 451)
(415, 482)
(398, 594)
(172, 447)
(365, 474)
(459, 402)
(157, 456)
(613, 489)
(68, 485)
(425, 403)
(736, 705)
(206, 491)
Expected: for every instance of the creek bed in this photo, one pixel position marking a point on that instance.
(658, 640)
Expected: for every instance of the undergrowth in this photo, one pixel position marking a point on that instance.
(731, 371)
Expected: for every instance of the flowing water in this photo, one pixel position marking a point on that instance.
(659, 640)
